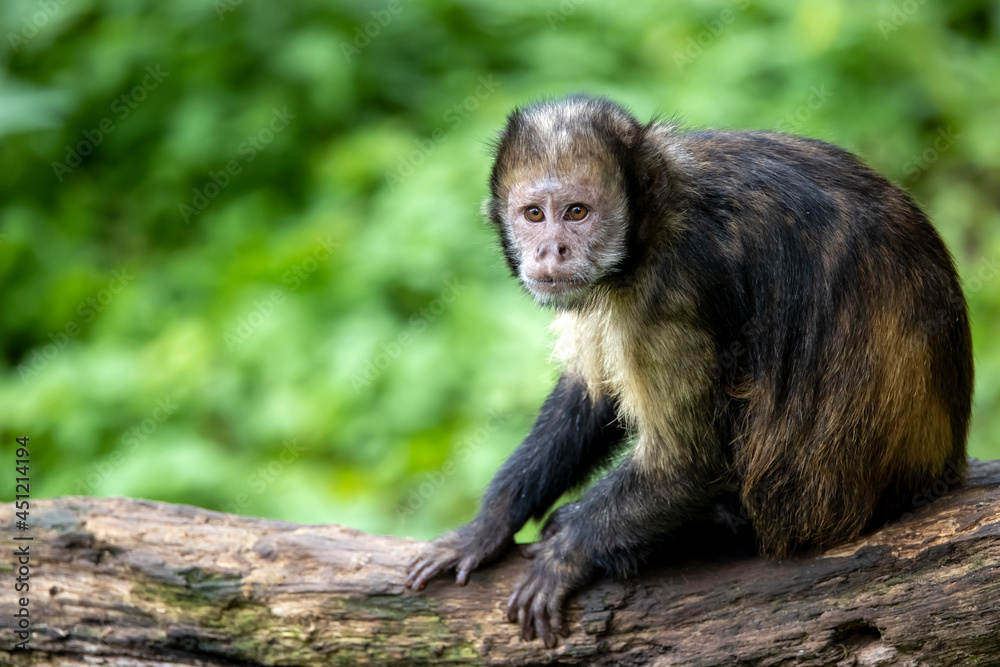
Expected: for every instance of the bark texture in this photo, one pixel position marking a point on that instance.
(133, 582)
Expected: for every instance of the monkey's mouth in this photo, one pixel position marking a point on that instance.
(551, 285)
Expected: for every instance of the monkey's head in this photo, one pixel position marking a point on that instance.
(561, 195)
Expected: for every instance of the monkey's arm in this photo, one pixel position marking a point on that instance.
(572, 435)
(612, 530)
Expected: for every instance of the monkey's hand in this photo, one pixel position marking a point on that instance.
(462, 550)
(537, 602)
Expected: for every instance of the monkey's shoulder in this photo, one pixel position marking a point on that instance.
(779, 164)
(722, 146)
(765, 180)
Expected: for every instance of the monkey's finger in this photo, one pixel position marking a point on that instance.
(421, 559)
(512, 605)
(464, 568)
(515, 601)
(525, 620)
(413, 561)
(427, 571)
(415, 568)
(539, 609)
(516, 613)
(411, 573)
(555, 614)
(411, 581)
(519, 600)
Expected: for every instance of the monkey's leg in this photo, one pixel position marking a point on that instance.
(571, 435)
(612, 530)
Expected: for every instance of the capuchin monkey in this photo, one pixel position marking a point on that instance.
(761, 316)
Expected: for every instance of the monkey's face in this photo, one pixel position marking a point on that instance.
(567, 231)
(557, 195)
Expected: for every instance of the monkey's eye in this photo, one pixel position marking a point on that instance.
(534, 214)
(577, 212)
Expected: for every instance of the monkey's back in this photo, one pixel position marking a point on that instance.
(837, 311)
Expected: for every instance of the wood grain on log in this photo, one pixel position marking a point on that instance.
(133, 582)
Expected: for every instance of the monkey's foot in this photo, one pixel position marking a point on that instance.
(538, 598)
(456, 551)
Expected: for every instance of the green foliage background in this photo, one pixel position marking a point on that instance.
(233, 361)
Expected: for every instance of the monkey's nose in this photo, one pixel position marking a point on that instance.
(553, 251)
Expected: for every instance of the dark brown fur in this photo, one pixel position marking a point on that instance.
(772, 321)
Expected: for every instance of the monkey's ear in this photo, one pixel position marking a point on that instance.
(492, 211)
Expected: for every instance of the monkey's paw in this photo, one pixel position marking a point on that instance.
(454, 550)
(538, 598)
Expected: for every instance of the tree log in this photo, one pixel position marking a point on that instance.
(133, 582)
